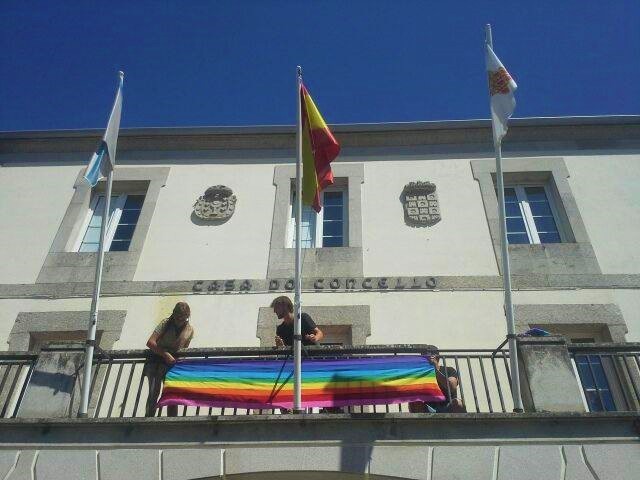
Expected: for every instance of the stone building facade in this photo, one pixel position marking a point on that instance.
(382, 279)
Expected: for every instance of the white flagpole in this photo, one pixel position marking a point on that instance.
(506, 270)
(93, 318)
(297, 364)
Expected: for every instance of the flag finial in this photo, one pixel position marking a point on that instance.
(121, 73)
(299, 70)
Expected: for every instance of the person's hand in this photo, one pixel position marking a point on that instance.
(279, 342)
(168, 358)
(433, 360)
(311, 337)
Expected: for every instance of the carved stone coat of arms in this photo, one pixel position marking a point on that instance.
(217, 203)
(421, 206)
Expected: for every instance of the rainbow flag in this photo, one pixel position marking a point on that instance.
(258, 383)
(319, 149)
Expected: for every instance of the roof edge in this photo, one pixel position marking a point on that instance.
(338, 128)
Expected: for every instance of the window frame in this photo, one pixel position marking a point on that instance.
(119, 201)
(319, 227)
(527, 214)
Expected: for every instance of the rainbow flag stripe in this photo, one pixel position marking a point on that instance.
(266, 384)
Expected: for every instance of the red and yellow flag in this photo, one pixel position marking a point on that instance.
(319, 149)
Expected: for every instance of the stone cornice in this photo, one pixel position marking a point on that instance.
(583, 132)
(363, 284)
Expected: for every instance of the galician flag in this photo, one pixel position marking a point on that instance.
(104, 159)
(501, 89)
(319, 149)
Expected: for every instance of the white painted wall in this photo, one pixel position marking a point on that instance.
(607, 191)
(176, 248)
(460, 244)
(33, 200)
(472, 319)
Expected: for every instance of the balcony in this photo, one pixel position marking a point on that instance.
(581, 416)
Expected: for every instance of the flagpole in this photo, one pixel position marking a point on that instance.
(506, 269)
(93, 317)
(297, 364)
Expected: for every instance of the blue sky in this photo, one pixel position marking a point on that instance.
(191, 63)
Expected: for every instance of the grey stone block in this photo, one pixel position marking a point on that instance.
(405, 462)
(463, 462)
(530, 462)
(190, 463)
(575, 466)
(613, 462)
(141, 464)
(25, 466)
(51, 388)
(274, 459)
(8, 459)
(548, 376)
(67, 464)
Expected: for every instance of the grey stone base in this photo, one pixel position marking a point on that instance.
(418, 446)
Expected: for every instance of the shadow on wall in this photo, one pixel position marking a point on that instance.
(207, 223)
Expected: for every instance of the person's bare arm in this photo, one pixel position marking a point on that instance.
(152, 344)
(316, 336)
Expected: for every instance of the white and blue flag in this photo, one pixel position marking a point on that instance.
(104, 159)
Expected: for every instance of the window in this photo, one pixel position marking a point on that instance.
(594, 383)
(124, 211)
(530, 215)
(325, 229)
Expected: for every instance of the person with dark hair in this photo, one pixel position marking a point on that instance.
(283, 308)
(448, 381)
(170, 336)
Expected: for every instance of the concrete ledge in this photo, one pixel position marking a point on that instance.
(451, 283)
(353, 428)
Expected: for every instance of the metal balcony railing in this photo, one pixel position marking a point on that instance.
(119, 389)
(609, 375)
(15, 371)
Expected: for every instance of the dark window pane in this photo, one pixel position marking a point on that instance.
(593, 401)
(515, 225)
(119, 245)
(535, 194)
(513, 209)
(332, 229)
(552, 237)
(540, 208)
(332, 213)
(130, 216)
(124, 232)
(333, 198)
(510, 195)
(332, 241)
(585, 375)
(545, 224)
(608, 401)
(134, 202)
(514, 238)
(601, 379)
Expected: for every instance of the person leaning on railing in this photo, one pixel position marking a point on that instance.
(170, 336)
(448, 380)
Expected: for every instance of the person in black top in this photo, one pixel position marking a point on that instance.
(448, 381)
(283, 308)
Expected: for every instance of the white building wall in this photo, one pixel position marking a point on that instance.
(460, 244)
(176, 248)
(607, 192)
(33, 200)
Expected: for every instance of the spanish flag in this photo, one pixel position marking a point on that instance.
(319, 149)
